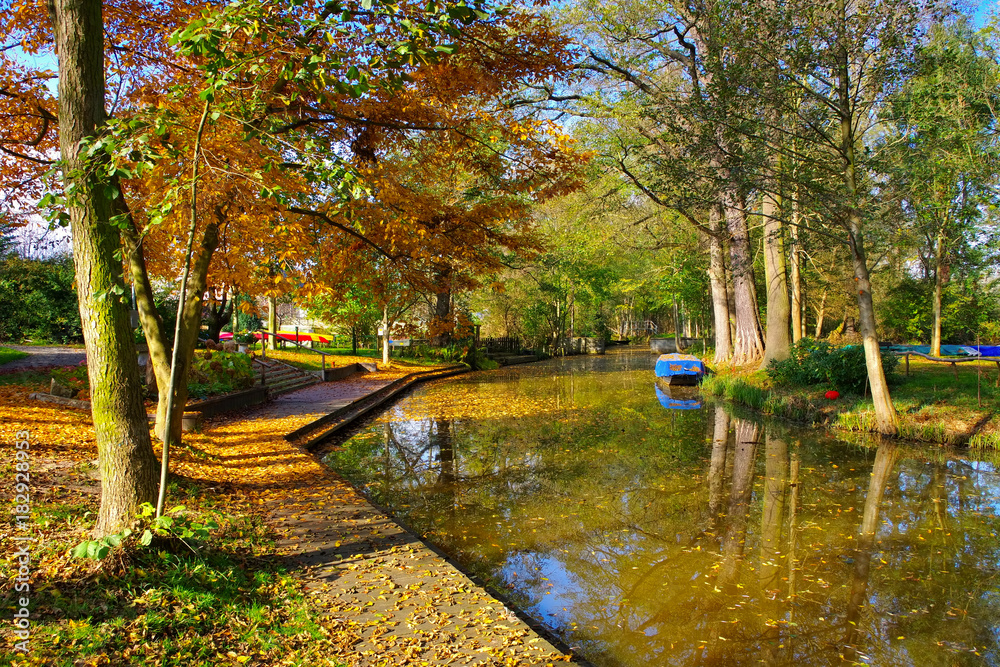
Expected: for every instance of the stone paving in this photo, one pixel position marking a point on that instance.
(321, 399)
(393, 599)
(44, 357)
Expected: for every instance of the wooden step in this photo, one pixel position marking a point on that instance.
(281, 378)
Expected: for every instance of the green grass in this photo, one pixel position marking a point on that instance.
(397, 356)
(311, 361)
(8, 355)
(231, 602)
(933, 405)
(32, 379)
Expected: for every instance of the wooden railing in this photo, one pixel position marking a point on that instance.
(949, 360)
(501, 344)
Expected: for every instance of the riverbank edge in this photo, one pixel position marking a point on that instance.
(485, 586)
(806, 406)
(342, 430)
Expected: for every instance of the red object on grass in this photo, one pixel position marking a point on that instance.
(833, 394)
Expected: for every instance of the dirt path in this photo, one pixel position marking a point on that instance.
(44, 357)
(393, 600)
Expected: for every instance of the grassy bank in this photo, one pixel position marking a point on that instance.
(222, 597)
(226, 600)
(933, 404)
(8, 355)
(311, 361)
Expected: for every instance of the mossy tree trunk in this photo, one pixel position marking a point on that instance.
(885, 412)
(152, 324)
(190, 315)
(125, 454)
(778, 342)
(749, 344)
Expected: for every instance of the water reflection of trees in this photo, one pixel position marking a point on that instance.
(764, 550)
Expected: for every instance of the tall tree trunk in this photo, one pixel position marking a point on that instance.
(152, 324)
(778, 344)
(125, 454)
(820, 313)
(940, 274)
(272, 321)
(385, 335)
(732, 304)
(795, 276)
(234, 313)
(749, 345)
(677, 323)
(441, 317)
(572, 311)
(717, 281)
(149, 317)
(168, 427)
(885, 412)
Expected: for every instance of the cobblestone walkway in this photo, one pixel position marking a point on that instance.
(394, 600)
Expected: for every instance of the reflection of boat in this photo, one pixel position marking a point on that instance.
(677, 398)
(680, 369)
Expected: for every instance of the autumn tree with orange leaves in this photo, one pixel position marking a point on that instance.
(308, 138)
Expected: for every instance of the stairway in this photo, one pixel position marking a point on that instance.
(281, 378)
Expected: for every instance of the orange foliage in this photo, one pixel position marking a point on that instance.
(450, 168)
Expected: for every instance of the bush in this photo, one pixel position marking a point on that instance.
(214, 372)
(74, 377)
(39, 300)
(818, 362)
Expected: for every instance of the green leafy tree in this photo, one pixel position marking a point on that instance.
(39, 300)
(945, 151)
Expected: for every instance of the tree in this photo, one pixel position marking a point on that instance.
(352, 310)
(677, 122)
(348, 77)
(125, 455)
(945, 153)
(39, 299)
(844, 61)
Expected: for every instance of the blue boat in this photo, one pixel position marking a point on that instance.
(680, 369)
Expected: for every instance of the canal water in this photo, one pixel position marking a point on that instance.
(647, 528)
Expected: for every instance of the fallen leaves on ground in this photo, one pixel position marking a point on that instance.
(385, 598)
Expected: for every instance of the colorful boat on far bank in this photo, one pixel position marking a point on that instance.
(680, 369)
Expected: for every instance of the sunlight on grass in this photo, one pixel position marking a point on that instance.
(8, 355)
(933, 404)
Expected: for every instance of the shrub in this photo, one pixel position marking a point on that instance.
(39, 301)
(245, 338)
(214, 372)
(74, 377)
(815, 362)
